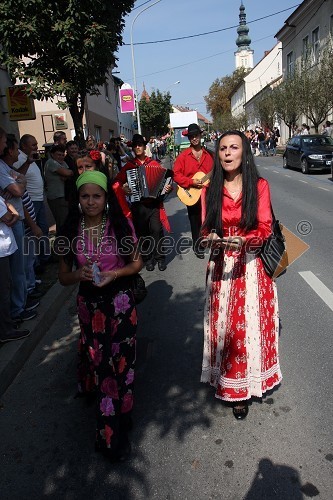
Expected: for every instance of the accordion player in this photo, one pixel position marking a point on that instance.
(148, 181)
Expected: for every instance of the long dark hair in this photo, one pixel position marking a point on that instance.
(117, 221)
(214, 198)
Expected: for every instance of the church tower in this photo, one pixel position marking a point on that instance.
(244, 53)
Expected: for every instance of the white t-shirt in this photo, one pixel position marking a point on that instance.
(7, 239)
(35, 183)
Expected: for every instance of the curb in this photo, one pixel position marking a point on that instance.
(14, 354)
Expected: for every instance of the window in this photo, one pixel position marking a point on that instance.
(305, 50)
(106, 90)
(290, 63)
(97, 133)
(315, 44)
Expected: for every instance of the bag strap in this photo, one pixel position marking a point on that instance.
(273, 214)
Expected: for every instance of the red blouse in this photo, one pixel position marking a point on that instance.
(232, 211)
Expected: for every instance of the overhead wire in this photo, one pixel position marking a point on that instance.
(195, 61)
(141, 5)
(210, 32)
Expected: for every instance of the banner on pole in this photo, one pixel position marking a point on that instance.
(127, 100)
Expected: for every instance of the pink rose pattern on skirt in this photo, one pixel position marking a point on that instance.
(106, 360)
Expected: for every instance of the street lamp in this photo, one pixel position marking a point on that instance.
(133, 65)
(175, 83)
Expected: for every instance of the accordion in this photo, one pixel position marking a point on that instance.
(148, 181)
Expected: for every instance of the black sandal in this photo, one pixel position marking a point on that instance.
(241, 412)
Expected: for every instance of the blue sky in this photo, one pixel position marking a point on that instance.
(195, 62)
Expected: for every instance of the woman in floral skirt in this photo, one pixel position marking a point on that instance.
(241, 326)
(102, 250)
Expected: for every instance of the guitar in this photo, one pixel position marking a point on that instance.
(189, 196)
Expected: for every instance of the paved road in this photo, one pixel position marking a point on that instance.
(187, 445)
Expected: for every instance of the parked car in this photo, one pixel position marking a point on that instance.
(309, 152)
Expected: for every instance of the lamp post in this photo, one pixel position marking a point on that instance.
(133, 65)
(175, 83)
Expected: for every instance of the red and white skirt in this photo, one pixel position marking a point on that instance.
(241, 328)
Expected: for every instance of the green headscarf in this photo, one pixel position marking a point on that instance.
(92, 177)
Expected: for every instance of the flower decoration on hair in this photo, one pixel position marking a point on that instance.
(95, 155)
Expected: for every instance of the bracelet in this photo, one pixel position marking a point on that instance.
(116, 275)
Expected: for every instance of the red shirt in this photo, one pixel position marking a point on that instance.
(232, 212)
(186, 166)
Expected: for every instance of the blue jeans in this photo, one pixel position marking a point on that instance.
(263, 148)
(18, 293)
(29, 261)
(41, 221)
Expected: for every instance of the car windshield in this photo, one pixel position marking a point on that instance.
(318, 141)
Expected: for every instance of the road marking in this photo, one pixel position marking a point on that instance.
(321, 290)
(265, 168)
(324, 189)
(305, 182)
(276, 171)
(286, 175)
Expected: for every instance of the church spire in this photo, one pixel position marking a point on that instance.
(145, 94)
(243, 40)
(244, 53)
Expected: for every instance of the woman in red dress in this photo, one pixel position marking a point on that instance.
(241, 327)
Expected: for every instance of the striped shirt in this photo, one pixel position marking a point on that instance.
(29, 206)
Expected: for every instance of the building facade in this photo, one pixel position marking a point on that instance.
(267, 71)
(307, 31)
(102, 117)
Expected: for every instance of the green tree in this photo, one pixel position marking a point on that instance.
(61, 48)
(218, 98)
(227, 121)
(287, 98)
(154, 113)
(265, 109)
(316, 87)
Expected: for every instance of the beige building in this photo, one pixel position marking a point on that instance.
(102, 117)
(305, 33)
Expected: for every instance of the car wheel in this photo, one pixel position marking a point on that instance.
(285, 162)
(305, 166)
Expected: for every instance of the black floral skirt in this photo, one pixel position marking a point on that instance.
(106, 360)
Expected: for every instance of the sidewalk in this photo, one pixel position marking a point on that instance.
(14, 354)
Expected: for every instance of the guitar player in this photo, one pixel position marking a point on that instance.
(191, 161)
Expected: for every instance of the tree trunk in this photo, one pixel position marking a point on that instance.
(77, 116)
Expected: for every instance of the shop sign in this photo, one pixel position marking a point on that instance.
(20, 105)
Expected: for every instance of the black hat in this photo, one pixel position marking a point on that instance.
(138, 139)
(193, 129)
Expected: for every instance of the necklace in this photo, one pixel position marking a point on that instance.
(197, 155)
(100, 238)
(93, 227)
